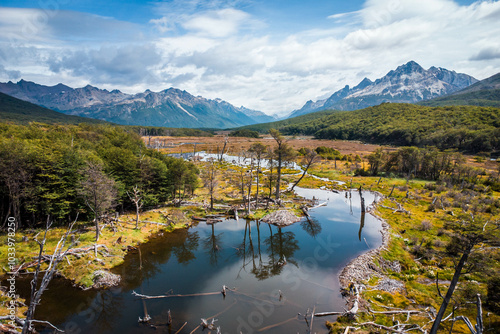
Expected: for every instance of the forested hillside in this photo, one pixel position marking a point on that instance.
(265, 127)
(59, 170)
(466, 128)
(487, 98)
(484, 93)
(22, 112)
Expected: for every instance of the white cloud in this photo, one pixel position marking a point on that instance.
(213, 49)
(163, 24)
(217, 24)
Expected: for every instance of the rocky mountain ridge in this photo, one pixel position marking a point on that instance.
(170, 107)
(409, 83)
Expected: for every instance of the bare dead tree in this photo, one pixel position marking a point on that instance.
(310, 158)
(280, 140)
(58, 254)
(242, 158)
(99, 192)
(226, 139)
(259, 150)
(210, 179)
(479, 327)
(283, 153)
(136, 198)
(249, 182)
(271, 160)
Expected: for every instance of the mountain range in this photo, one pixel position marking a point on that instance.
(168, 108)
(409, 83)
(484, 93)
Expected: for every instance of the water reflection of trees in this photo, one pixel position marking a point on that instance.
(213, 245)
(106, 308)
(311, 226)
(155, 253)
(280, 247)
(361, 225)
(185, 251)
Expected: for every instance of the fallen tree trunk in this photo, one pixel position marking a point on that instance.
(352, 312)
(399, 328)
(178, 295)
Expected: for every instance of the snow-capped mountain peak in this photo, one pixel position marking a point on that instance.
(408, 83)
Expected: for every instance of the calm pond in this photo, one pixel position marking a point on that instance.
(302, 260)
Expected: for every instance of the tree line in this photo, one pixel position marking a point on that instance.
(61, 170)
(429, 163)
(465, 128)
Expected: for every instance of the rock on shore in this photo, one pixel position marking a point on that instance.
(105, 279)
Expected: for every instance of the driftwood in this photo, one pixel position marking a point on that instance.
(181, 328)
(399, 328)
(324, 314)
(77, 252)
(174, 296)
(216, 315)
(396, 312)
(319, 205)
(305, 210)
(399, 208)
(352, 312)
(8, 329)
(478, 328)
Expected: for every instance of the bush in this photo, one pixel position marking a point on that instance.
(425, 225)
(244, 133)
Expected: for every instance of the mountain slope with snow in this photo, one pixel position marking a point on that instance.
(170, 108)
(409, 83)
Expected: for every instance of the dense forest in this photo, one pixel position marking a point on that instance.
(59, 170)
(466, 128)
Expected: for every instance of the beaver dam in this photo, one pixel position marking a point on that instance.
(238, 275)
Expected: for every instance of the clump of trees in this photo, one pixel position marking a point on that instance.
(329, 153)
(427, 163)
(57, 170)
(244, 133)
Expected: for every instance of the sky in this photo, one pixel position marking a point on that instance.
(267, 55)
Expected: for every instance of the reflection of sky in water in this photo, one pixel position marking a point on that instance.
(240, 254)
